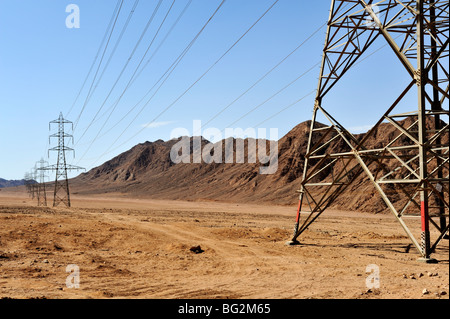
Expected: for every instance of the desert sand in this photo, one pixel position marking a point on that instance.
(148, 249)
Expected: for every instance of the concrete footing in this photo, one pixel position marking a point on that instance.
(427, 260)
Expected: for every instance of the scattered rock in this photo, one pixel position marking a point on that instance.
(38, 297)
(407, 248)
(197, 249)
(4, 256)
(374, 292)
(108, 294)
(425, 291)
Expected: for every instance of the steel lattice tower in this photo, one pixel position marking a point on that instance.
(34, 183)
(61, 191)
(41, 192)
(410, 171)
(28, 177)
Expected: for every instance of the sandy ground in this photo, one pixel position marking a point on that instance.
(125, 248)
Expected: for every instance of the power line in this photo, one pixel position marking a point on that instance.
(144, 67)
(285, 108)
(215, 63)
(133, 77)
(168, 72)
(277, 93)
(171, 69)
(134, 74)
(96, 57)
(198, 80)
(310, 93)
(98, 68)
(149, 22)
(119, 39)
(264, 76)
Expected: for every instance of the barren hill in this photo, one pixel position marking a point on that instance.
(147, 171)
(11, 183)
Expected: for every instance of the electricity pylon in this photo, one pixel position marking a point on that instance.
(28, 183)
(410, 170)
(41, 192)
(61, 192)
(33, 185)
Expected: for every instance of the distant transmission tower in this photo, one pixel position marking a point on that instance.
(33, 184)
(28, 183)
(410, 170)
(61, 192)
(41, 192)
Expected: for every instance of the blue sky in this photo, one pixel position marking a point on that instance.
(43, 65)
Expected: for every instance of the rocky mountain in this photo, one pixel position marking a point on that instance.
(147, 171)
